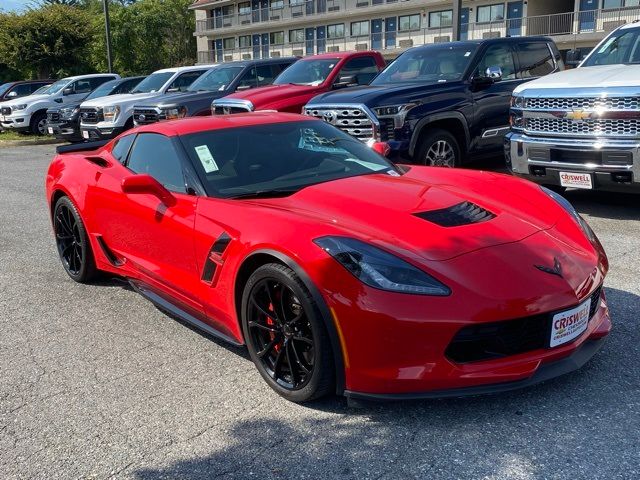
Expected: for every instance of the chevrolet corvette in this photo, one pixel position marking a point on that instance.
(340, 271)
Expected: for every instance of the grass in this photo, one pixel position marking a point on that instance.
(8, 136)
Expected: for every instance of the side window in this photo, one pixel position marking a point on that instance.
(125, 87)
(35, 86)
(249, 79)
(22, 90)
(154, 154)
(535, 59)
(280, 67)
(97, 81)
(497, 56)
(183, 81)
(121, 147)
(362, 68)
(265, 75)
(81, 86)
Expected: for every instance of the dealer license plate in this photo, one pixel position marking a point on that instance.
(85, 134)
(568, 325)
(50, 130)
(576, 180)
(1, 118)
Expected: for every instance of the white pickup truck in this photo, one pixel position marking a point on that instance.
(29, 114)
(107, 117)
(581, 128)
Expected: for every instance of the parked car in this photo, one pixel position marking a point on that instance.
(216, 83)
(441, 104)
(107, 117)
(29, 114)
(340, 271)
(306, 78)
(581, 128)
(64, 122)
(14, 90)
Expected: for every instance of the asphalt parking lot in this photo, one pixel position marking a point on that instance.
(95, 382)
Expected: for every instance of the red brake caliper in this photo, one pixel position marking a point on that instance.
(270, 322)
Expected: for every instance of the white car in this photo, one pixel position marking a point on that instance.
(29, 114)
(107, 117)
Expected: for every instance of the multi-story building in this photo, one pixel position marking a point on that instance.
(242, 29)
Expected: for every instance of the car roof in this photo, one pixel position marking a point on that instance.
(185, 69)
(260, 61)
(91, 75)
(186, 126)
(487, 41)
(22, 82)
(351, 53)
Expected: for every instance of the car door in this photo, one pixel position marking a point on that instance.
(184, 80)
(149, 237)
(77, 91)
(491, 99)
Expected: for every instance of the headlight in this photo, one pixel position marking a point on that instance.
(69, 112)
(397, 112)
(516, 120)
(174, 113)
(111, 113)
(517, 101)
(22, 106)
(566, 205)
(380, 269)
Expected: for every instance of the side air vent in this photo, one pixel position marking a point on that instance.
(214, 258)
(463, 213)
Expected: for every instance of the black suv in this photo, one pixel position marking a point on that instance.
(23, 88)
(218, 82)
(441, 104)
(64, 121)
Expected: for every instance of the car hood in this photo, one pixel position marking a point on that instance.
(600, 77)
(373, 95)
(263, 96)
(182, 98)
(121, 99)
(29, 99)
(391, 216)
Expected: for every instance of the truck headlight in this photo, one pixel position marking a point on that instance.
(111, 113)
(22, 106)
(173, 113)
(516, 120)
(397, 112)
(517, 101)
(69, 112)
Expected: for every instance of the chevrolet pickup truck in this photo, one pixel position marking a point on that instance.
(581, 128)
(441, 104)
(306, 78)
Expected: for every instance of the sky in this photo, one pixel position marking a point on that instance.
(13, 5)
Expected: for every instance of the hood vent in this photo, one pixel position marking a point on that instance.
(464, 213)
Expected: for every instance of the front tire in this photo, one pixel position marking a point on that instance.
(439, 148)
(285, 335)
(39, 124)
(72, 242)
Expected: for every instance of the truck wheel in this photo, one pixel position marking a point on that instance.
(439, 148)
(39, 124)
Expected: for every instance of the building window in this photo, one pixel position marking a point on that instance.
(276, 4)
(244, 41)
(409, 22)
(276, 38)
(335, 31)
(296, 3)
(441, 19)
(620, 3)
(229, 43)
(490, 13)
(296, 36)
(359, 28)
(244, 8)
(227, 11)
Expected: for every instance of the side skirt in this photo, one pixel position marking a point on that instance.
(180, 313)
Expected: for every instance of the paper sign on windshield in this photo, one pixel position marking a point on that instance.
(208, 163)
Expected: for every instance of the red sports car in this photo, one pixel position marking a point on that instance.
(339, 271)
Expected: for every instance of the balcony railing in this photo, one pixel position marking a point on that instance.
(571, 23)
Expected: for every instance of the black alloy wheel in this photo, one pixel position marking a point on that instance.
(72, 241)
(285, 336)
(439, 148)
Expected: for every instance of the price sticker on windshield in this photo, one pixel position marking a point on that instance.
(206, 159)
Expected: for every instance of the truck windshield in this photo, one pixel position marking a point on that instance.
(56, 87)
(4, 87)
(102, 90)
(621, 47)
(278, 159)
(307, 72)
(436, 63)
(153, 82)
(215, 79)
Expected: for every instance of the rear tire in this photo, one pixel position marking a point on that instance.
(38, 124)
(439, 148)
(285, 334)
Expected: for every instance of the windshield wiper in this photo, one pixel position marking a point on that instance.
(272, 193)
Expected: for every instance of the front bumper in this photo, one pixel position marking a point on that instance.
(615, 165)
(15, 122)
(65, 130)
(95, 132)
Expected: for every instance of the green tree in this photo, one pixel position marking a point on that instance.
(44, 3)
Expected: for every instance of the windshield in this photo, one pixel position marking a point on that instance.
(261, 160)
(41, 90)
(4, 87)
(215, 79)
(307, 72)
(56, 87)
(439, 63)
(621, 47)
(103, 90)
(153, 82)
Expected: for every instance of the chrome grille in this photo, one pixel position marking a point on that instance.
(587, 103)
(91, 115)
(561, 126)
(351, 120)
(5, 110)
(145, 116)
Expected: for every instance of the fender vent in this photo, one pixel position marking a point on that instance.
(463, 213)
(214, 257)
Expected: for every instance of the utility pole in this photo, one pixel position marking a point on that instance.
(457, 9)
(107, 27)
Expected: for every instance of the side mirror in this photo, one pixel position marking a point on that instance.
(573, 58)
(345, 81)
(494, 73)
(381, 148)
(144, 183)
(67, 91)
(12, 94)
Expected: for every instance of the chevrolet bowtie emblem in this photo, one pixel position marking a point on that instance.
(555, 270)
(578, 115)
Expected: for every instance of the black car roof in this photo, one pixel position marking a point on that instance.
(489, 41)
(22, 82)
